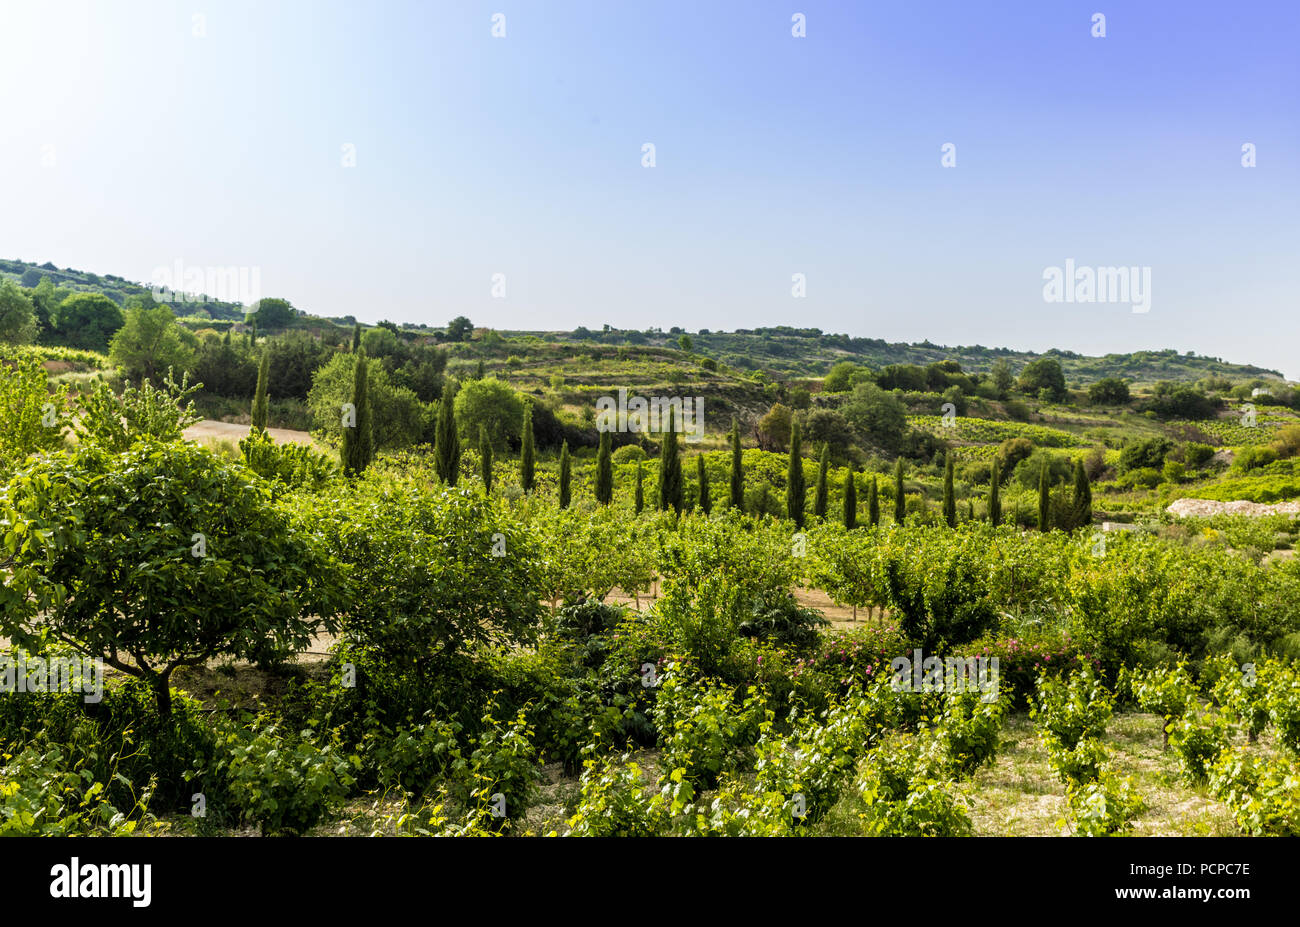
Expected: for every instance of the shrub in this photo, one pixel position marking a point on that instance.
(904, 796)
(1263, 795)
(1198, 743)
(283, 782)
(1104, 807)
(1071, 710)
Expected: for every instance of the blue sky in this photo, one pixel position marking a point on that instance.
(130, 142)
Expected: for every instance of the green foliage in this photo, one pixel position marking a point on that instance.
(283, 782)
(605, 470)
(491, 404)
(150, 342)
(701, 730)
(566, 476)
(670, 470)
(1072, 710)
(527, 464)
(290, 466)
(163, 552)
(1104, 806)
(17, 315)
(446, 449)
(1263, 794)
(737, 484)
(42, 794)
(86, 320)
(1198, 743)
(358, 429)
(34, 418)
(397, 415)
(145, 413)
(259, 396)
(905, 796)
(485, 459)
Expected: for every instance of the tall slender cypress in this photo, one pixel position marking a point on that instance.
(873, 503)
(358, 437)
(949, 495)
(605, 469)
(737, 470)
(670, 469)
(485, 458)
(356, 338)
(900, 500)
(702, 477)
(526, 462)
(259, 396)
(565, 475)
(850, 499)
(638, 501)
(995, 494)
(446, 447)
(1081, 514)
(1044, 497)
(795, 491)
(821, 496)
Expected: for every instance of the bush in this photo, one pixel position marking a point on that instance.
(700, 728)
(1198, 743)
(283, 782)
(904, 797)
(1104, 807)
(1071, 710)
(1263, 795)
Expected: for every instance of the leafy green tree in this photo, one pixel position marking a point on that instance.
(605, 469)
(949, 497)
(272, 314)
(33, 418)
(850, 499)
(86, 320)
(17, 315)
(294, 357)
(639, 499)
(737, 470)
(485, 458)
(159, 557)
(873, 503)
(492, 404)
(1081, 502)
(995, 498)
(1002, 378)
(821, 495)
(380, 342)
(150, 342)
(1044, 499)
(259, 397)
(795, 491)
(900, 499)
(841, 377)
(446, 448)
(702, 477)
(358, 430)
(1109, 391)
(1045, 373)
(774, 428)
(459, 329)
(670, 469)
(877, 415)
(526, 461)
(566, 475)
(398, 417)
(685, 343)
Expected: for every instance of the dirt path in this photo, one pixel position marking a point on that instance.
(210, 428)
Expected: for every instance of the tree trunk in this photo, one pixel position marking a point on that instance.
(163, 691)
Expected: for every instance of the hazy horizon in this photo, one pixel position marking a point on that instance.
(140, 135)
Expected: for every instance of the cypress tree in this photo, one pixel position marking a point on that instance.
(737, 470)
(900, 501)
(259, 397)
(358, 438)
(850, 499)
(446, 447)
(1044, 497)
(565, 475)
(949, 496)
(639, 501)
(1082, 509)
(795, 491)
(702, 475)
(485, 458)
(478, 371)
(820, 498)
(605, 470)
(873, 503)
(356, 338)
(995, 494)
(526, 462)
(670, 469)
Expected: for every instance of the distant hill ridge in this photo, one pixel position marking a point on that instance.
(782, 351)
